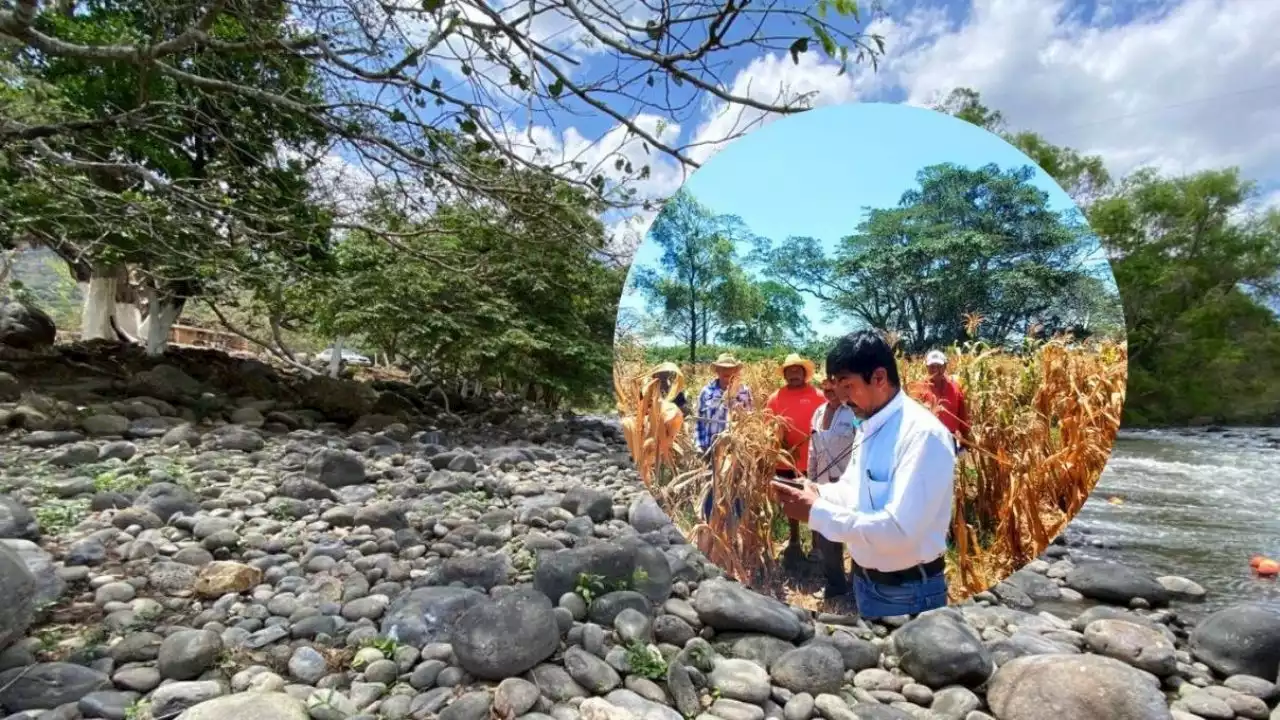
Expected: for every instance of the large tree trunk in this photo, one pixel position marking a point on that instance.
(163, 310)
(164, 307)
(128, 314)
(129, 319)
(335, 360)
(100, 304)
(7, 260)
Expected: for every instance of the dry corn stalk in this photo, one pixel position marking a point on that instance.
(1043, 423)
(652, 426)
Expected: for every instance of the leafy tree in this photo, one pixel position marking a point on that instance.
(771, 315)
(1197, 274)
(698, 282)
(1083, 177)
(1089, 306)
(980, 240)
(1190, 271)
(538, 311)
(206, 166)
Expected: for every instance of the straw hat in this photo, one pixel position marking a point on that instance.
(666, 367)
(727, 361)
(794, 360)
(677, 383)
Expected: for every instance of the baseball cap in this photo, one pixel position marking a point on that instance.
(935, 357)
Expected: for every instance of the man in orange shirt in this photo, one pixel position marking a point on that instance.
(795, 404)
(944, 396)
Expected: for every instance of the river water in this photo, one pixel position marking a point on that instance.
(1195, 503)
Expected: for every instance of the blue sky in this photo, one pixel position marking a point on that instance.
(1093, 14)
(1140, 83)
(814, 174)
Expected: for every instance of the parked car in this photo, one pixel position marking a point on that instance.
(348, 356)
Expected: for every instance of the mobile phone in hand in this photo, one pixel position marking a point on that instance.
(789, 482)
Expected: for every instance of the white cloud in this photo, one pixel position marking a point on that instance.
(1270, 201)
(772, 78)
(1176, 88)
(579, 158)
(335, 180)
(342, 183)
(1182, 87)
(627, 234)
(776, 80)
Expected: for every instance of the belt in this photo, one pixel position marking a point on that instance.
(923, 571)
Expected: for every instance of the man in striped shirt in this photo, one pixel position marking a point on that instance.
(713, 411)
(713, 416)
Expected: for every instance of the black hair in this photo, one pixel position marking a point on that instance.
(862, 352)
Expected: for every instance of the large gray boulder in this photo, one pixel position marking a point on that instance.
(26, 327)
(17, 596)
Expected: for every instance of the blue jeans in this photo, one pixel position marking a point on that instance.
(876, 600)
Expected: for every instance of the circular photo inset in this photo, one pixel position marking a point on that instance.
(870, 358)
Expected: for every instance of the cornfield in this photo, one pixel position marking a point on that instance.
(1043, 422)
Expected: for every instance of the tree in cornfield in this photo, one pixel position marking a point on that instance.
(698, 283)
(967, 240)
(770, 315)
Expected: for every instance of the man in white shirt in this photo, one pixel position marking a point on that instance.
(832, 431)
(892, 506)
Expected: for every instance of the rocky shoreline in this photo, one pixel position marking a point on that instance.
(171, 551)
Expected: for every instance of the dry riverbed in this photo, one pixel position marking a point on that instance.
(171, 548)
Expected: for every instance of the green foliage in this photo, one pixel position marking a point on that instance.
(701, 290)
(589, 586)
(517, 297)
(111, 481)
(386, 646)
(1201, 345)
(57, 516)
(967, 240)
(767, 314)
(646, 661)
(1197, 272)
(207, 198)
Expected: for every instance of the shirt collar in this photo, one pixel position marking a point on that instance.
(883, 415)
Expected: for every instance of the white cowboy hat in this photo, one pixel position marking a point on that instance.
(728, 361)
(794, 360)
